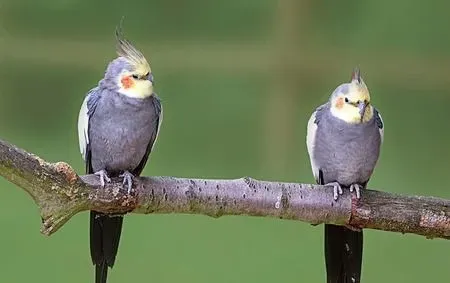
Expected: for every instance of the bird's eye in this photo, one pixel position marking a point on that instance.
(346, 100)
(135, 76)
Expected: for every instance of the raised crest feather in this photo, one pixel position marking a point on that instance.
(356, 75)
(126, 50)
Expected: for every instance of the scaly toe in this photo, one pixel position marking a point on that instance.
(357, 189)
(337, 190)
(128, 180)
(130, 184)
(103, 177)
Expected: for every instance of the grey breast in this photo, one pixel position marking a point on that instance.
(120, 130)
(346, 153)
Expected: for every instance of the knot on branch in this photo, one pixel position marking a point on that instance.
(67, 171)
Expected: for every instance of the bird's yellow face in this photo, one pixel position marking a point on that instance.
(136, 84)
(351, 102)
(136, 78)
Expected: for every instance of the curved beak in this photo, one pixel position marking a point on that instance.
(362, 105)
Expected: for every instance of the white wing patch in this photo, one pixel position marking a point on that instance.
(159, 128)
(382, 128)
(310, 143)
(83, 126)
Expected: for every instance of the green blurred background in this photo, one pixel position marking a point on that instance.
(238, 80)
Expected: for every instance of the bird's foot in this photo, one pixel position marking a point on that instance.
(103, 177)
(337, 189)
(357, 188)
(127, 180)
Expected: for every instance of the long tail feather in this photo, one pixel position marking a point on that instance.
(105, 233)
(343, 254)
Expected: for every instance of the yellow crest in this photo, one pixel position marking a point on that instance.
(126, 50)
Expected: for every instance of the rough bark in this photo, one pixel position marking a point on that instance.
(60, 193)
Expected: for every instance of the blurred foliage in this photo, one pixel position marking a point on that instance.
(238, 80)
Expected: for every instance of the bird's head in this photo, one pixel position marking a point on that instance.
(350, 102)
(129, 73)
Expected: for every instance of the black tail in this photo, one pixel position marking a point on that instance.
(101, 273)
(105, 236)
(343, 254)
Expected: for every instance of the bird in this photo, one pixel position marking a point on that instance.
(344, 138)
(118, 125)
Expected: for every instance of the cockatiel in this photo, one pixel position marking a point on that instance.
(118, 125)
(343, 140)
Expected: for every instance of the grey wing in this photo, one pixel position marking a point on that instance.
(157, 123)
(379, 122)
(313, 123)
(86, 111)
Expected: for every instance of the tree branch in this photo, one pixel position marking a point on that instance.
(60, 193)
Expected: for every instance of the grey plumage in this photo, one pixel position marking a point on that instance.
(118, 125)
(343, 140)
(120, 129)
(345, 153)
(122, 132)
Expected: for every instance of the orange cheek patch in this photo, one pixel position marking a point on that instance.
(127, 82)
(340, 103)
